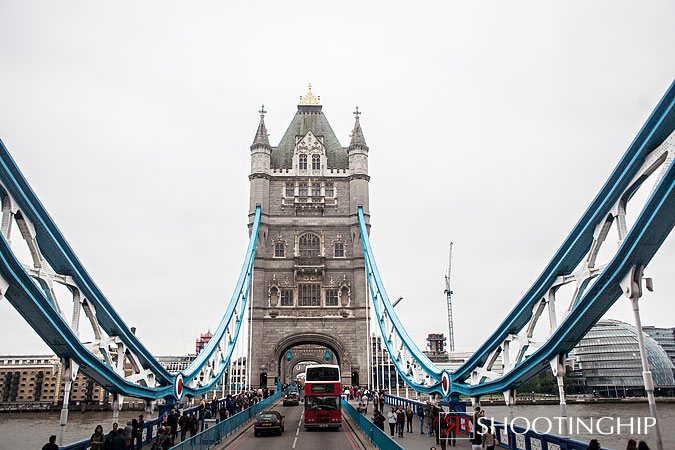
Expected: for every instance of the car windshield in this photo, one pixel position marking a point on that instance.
(267, 417)
(319, 403)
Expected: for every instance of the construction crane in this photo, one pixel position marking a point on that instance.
(448, 295)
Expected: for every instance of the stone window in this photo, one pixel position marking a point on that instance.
(339, 250)
(309, 294)
(290, 189)
(302, 159)
(302, 189)
(331, 297)
(286, 297)
(309, 245)
(279, 250)
(330, 192)
(316, 162)
(316, 189)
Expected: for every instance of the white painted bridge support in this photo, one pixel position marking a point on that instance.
(149, 407)
(68, 375)
(632, 288)
(4, 285)
(117, 403)
(510, 400)
(559, 370)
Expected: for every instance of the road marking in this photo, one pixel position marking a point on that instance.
(352, 439)
(295, 441)
(297, 431)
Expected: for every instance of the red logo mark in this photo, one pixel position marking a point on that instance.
(460, 424)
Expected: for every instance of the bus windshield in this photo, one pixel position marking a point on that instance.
(323, 374)
(321, 403)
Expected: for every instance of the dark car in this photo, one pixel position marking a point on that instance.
(268, 422)
(291, 398)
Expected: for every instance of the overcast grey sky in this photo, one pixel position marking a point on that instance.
(492, 124)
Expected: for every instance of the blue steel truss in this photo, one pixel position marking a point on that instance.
(30, 291)
(597, 287)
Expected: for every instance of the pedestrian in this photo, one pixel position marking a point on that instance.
(420, 414)
(184, 423)
(631, 444)
(437, 425)
(409, 414)
(172, 422)
(214, 407)
(642, 445)
(119, 442)
(202, 414)
(400, 421)
(222, 412)
(490, 440)
(594, 445)
(111, 435)
(194, 425)
(97, 439)
(443, 431)
(134, 432)
(378, 420)
(139, 432)
(51, 445)
(376, 400)
(364, 403)
(128, 433)
(428, 418)
(451, 421)
(477, 440)
(166, 440)
(391, 419)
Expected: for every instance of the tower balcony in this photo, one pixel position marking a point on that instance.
(309, 203)
(309, 268)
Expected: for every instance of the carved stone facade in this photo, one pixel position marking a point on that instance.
(309, 283)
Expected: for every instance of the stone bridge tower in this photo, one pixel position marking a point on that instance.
(309, 282)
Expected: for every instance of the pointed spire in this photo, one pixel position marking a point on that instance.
(261, 137)
(357, 134)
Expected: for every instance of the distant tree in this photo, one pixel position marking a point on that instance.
(544, 383)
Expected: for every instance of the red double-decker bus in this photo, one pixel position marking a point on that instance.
(322, 396)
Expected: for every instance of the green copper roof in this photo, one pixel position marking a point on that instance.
(309, 117)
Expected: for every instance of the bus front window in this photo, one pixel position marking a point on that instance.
(321, 402)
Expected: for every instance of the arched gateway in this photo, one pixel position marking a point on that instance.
(309, 283)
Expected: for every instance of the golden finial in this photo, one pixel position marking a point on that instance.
(309, 98)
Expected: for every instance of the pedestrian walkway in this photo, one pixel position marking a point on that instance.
(414, 440)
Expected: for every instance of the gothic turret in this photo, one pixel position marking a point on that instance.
(358, 167)
(260, 166)
(261, 137)
(358, 141)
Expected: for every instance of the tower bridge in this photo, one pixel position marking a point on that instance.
(309, 285)
(309, 278)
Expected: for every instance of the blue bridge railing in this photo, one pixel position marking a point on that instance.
(376, 436)
(201, 440)
(511, 437)
(211, 436)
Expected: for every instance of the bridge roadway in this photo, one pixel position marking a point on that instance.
(294, 437)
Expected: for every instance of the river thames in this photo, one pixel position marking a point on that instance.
(31, 430)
